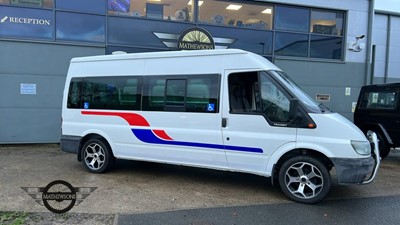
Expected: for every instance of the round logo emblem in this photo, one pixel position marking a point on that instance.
(59, 196)
(195, 38)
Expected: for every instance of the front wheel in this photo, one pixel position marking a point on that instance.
(97, 156)
(304, 179)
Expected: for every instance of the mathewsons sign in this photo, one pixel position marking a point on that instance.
(195, 38)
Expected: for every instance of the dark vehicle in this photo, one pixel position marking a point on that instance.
(378, 110)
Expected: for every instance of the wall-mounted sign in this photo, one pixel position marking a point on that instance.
(26, 23)
(27, 89)
(27, 2)
(323, 97)
(195, 38)
(347, 91)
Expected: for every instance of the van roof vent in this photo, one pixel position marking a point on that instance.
(118, 52)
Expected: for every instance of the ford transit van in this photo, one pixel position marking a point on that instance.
(218, 109)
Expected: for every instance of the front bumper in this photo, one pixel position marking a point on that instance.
(359, 171)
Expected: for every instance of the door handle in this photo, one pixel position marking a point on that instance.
(224, 122)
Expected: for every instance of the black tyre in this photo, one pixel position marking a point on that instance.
(304, 179)
(97, 156)
(384, 147)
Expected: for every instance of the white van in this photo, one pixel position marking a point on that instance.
(220, 109)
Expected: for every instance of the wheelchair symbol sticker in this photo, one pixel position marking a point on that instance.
(86, 105)
(211, 107)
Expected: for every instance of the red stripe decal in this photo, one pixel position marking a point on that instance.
(162, 134)
(132, 118)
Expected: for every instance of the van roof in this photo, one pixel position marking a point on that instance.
(169, 62)
(164, 54)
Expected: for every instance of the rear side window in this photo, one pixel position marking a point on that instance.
(195, 93)
(75, 94)
(379, 100)
(119, 92)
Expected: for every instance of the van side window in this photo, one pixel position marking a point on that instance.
(254, 92)
(202, 93)
(176, 92)
(244, 92)
(379, 100)
(175, 95)
(154, 94)
(121, 93)
(194, 93)
(75, 94)
(275, 104)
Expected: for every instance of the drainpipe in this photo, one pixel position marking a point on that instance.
(369, 77)
(388, 42)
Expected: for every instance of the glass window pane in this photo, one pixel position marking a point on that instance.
(71, 28)
(194, 93)
(153, 93)
(93, 6)
(291, 18)
(26, 23)
(176, 92)
(326, 47)
(235, 14)
(172, 10)
(291, 44)
(275, 104)
(75, 94)
(257, 41)
(243, 92)
(379, 100)
(324, 22)
(106, 93)
(32, 3)
(202, 94)
(142, 33)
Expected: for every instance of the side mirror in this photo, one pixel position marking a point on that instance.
(294, 109)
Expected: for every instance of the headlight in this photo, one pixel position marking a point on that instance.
(361, 147)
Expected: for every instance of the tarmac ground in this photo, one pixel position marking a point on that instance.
(136, 188)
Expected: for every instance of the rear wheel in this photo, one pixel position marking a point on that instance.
(97, 156)
(384, 147)
(304, 179)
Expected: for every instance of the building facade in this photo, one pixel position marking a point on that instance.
(330, 48)
(385, 44)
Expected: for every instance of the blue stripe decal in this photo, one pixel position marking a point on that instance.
(148, 136)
